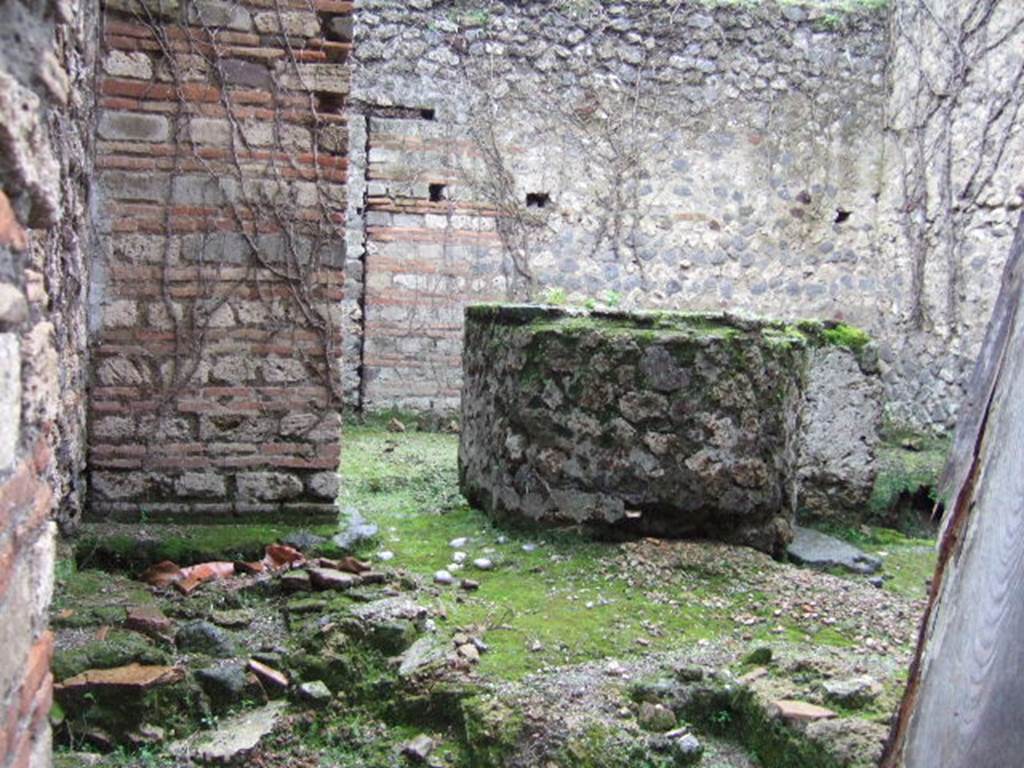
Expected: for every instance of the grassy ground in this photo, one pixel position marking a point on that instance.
(570, 600)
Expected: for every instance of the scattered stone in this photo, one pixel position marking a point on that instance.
(328, 578)
(458, 543)
(385, 555)
(656, 718)
(296, 581)
(459, 557)
(131, 677)
(305, 605)
(800, 711)
(536, 646)
(235, 738)
(396, 426)
(77, 760)
(876, 581)
(470, 653)
(854, 693)
(818, 550)
(687, 750)
(850, 740)
(238, 618)
(529, 547)
(315, 693)
(274, 681)
(149, 620)
(205, 638)
(392, 637)
(373, 577)
(354, 565)
(356, 529)
(303, 540)
(753, 676)
(483, 563)
(418, 749)
(615, 669)
(224, 685)
(117, 648)
(444, 578)
(147, 735)
(469, 585)
(425, 654)
(689, 673)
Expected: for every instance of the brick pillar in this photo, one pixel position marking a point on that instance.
(221, 155)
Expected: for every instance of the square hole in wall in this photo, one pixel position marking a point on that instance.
(438, 193)
(330, 103)
(842, 215)
(538, 199)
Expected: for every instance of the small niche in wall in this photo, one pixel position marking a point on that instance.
(842, 215)
(330, 103)
(438, 193)
(538, 199)
(427, 113)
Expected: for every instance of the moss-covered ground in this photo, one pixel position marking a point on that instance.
(554, 601)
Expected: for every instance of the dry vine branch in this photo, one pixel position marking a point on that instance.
(263, 204)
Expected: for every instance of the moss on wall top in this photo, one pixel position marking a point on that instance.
(651, 324)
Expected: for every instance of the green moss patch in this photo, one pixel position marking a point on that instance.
(135, 547)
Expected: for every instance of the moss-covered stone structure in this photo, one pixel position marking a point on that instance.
(666, 423)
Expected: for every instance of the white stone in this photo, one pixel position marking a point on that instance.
(134, 64)
(10, 398)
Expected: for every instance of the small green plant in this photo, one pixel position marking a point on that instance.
(612, 299)
(556, 297)
(721, 718)
(844, 335)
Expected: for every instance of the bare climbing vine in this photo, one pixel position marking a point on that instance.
(287, 221)
(946, 112)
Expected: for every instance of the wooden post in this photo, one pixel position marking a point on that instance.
(964, 702)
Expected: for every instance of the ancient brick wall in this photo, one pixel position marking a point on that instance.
(216, 313)
(46, 65)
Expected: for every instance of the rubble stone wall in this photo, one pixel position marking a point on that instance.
(216, 297)
(954, 188)
(664, 423)
(46, 67)
(754, 157)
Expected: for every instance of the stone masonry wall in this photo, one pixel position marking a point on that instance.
(954, 188)
(46, 68)
(216, 317)
(751, 157)
(665, 423)
(653, 155)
